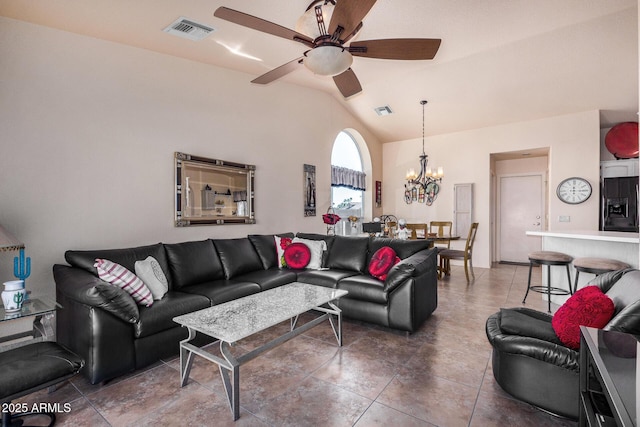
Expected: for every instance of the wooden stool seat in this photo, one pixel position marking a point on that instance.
(596, 266)
(549, 258)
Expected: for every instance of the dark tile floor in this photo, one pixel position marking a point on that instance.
(438, 376)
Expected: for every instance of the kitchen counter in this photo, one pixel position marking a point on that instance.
(583, 243)
(606, 236)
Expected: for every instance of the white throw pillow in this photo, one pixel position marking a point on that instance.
(120, 276)
(281, 244)
(317, 248)
(152, 275)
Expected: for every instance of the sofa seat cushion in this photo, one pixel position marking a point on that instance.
(365, 288)
(159, 317)
(220, 291)
(326, 278)
(268, 279)
(528, 323)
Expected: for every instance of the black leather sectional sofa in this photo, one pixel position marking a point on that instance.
(103, 324)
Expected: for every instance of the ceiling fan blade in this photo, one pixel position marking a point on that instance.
(348, 15)
(348, 84)
(278, 72)
(259, 24)
(353, 33)
(396, 48)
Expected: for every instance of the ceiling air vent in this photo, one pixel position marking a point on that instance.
(188, 29)
(383, 111)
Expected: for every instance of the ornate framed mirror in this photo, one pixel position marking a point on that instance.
(212, 191)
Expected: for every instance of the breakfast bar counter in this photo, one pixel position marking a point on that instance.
(579, 243)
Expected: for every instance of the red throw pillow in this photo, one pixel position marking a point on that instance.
(587, 307)
(382, 261)
(297, 255)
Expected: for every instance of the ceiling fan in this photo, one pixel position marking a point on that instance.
(328, 54)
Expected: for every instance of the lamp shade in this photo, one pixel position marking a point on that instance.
(328, 60)
(308, 23)
(8, 242)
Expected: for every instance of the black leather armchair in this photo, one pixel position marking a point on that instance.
(529, 361)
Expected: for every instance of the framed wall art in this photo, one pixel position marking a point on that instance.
(309, 186)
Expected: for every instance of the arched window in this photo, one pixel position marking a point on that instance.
(347, 189)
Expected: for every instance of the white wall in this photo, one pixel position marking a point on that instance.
(574, 150)
(89, 129)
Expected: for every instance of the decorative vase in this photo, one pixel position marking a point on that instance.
(13, 295)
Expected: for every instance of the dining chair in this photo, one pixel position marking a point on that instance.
(418, 231)
(442, 230)
(446, 255)
(390, 228)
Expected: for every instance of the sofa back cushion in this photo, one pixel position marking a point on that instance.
(238, 256)
(348, 253)
(404, 248)
(265, 246)
(626, 290)
(625, 294)
(126, 257)
(315, 236)
(192, 263)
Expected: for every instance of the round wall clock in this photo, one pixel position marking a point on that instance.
(574, 190)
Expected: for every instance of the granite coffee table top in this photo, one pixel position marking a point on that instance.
(238, 319)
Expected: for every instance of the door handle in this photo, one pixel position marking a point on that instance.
(537, 223)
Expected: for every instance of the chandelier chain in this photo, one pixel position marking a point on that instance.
(423, 102)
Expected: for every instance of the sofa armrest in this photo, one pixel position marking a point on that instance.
(533, 347)
(85, 288)
(416, 265)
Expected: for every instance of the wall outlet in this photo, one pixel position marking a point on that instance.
(564, 218)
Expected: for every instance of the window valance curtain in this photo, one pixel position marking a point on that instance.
(345, 177)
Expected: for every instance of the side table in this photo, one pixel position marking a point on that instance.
(42, 310)
(609, 380)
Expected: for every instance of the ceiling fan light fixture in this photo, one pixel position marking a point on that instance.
(308, 23)
(328, 60)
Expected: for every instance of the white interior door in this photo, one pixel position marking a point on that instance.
(521, 210)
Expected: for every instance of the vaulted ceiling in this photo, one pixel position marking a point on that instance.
(500, 61)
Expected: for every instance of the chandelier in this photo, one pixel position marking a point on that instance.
(423, 187)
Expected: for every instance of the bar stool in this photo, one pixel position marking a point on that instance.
(549, 258)
(596, 266)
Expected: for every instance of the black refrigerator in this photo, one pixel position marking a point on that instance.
(619, 204)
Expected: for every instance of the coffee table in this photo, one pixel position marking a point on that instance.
(234, 320)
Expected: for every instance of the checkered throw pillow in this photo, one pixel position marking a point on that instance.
(119, 276)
